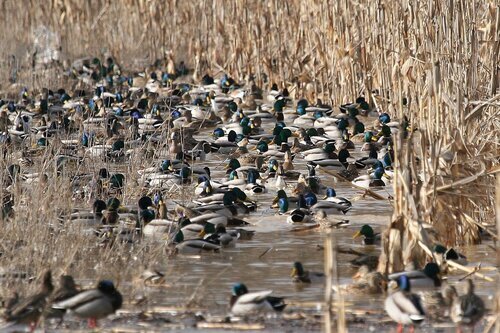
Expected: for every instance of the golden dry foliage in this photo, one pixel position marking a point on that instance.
(442, 57)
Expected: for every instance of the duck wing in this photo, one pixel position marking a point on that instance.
(278, 303)
(79, 300)
(27, 307)
(254, 297)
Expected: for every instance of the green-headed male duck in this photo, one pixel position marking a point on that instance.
(403, 306)
(244, 302)
(369, 236)
(93, 304)
(425, 278)
(300, 275)
(193, 246)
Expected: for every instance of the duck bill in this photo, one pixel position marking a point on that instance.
(356, 276)
(202, 234)
(293, 272)
(357, 234)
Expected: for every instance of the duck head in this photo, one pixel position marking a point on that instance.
(302, 103)
(233, 175)
(431, 269)
(208, 229)
(330, 193)
(404, 283)
(179, 237)
(279, 105)
(262, 146)
(98, 206)
(185, 172)
(228, 198)
(297, 270)
(284, 135)
(252, 176)
(272, 165)
(342, 124)
(231, 136)
(378, 173)
(233, 164)
(239, 194)
(384, 118)
(368, 136)
(113, 204)
(166, 165)
(387, 160)
(310, 198)
(343, 155)
(366, 231)
(218, 133)
(283, 205)
(329, 148)
(280, 194)
(239, 289)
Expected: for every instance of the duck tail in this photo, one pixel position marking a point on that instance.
(417, 318)
(278, 303)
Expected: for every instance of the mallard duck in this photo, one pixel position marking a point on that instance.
(152, 277)
(67, 289)
(368, 181)
(331, 195)
(158, 228)
(282, 194)
(317, 154)
(88, 220)
(467, 309)
(93, 304)
(425, 278)
(332, 205)
(29, 309)
(369, 236)
(221, 236)
(437, 303)
(299, 216)
(368, 282)
(253, 186)
(449, 254)
(362, 259)
(242, 234)
(110, 215)
(195, 230)
(299, 275)
(403, 306)
(243, 302)
(193, 246)
(234, 202)
(337, 164)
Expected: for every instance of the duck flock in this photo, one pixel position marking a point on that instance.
(258, 140)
